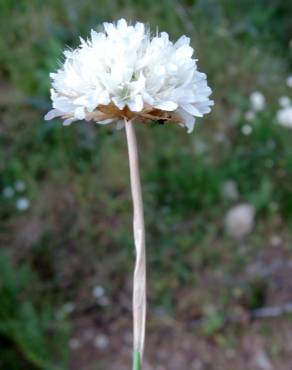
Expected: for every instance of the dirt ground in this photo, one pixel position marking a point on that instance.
(243, 343)
(262, 346)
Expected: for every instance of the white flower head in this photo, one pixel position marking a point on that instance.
(123, 72)
(284, 117)
(257, 101)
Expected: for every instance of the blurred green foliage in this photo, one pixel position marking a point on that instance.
(27, 323)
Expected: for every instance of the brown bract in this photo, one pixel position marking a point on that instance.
(104, 112)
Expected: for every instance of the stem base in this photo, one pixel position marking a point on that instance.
(136, 360)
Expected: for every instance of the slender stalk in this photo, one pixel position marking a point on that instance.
(139, 283)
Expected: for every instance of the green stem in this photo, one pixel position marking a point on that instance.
(136, 360)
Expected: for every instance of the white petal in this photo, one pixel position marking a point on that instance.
(96, 37)
(184, 51)
(81, 100)
(187, 119)
(164, 36)
(166, 105)
(138, 85)
(183, 40)
(191, 109)
(68, 121)
(96, 98)
(147, 98)
(52, 114)
(119, 103)
(79, 113)
(105, 121)
(120, 124)
(190, 126)
(122, 25)
(136, 104)
(139, 27)
(109, 28)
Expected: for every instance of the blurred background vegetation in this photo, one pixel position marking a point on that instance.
(217, 295)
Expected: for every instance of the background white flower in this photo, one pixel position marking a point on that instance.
(246, 129)
(284, 117)
(257, 101)
(22, 204)
(124, 72)
(284, 101)
(289, 81)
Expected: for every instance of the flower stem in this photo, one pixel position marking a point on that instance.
(139, 282)
(136, 361)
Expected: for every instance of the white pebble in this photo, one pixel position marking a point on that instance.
(74, 343)
(98, 292)
(276, 240)
(101, 342)
(239, 221)
(262, 361)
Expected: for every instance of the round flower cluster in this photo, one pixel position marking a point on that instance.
(123, 72)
